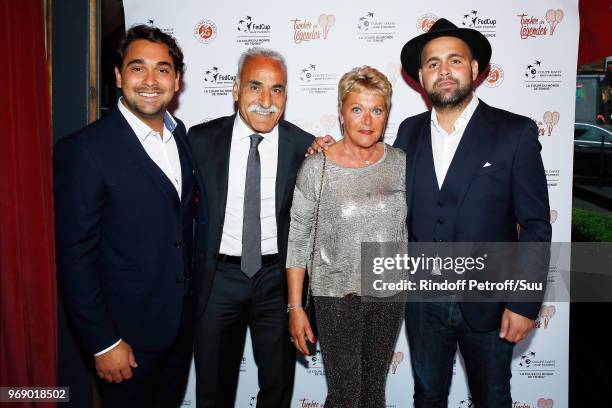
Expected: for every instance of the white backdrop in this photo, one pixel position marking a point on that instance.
(533, 72)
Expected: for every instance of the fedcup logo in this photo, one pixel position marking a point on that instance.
(425, 22)
(545, 403)
(495, 77)
(205, 31)
(396, 360)
(244, 24)
(252, 400)
(532, 26)
(545, 316)
(526, 359)
(252, 33)
(469, 19)
(216, 82)
(550, 120)
(211, 75)
(305, 30)
(487, 26)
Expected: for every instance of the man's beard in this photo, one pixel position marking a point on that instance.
(453, 100)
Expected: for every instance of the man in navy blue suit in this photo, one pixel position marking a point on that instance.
(473, 174)
(125, 197)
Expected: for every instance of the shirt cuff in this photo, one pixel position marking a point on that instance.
(99, 353)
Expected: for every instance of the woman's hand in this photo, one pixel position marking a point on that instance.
(300, 330)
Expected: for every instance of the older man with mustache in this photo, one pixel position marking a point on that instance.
(247, 164)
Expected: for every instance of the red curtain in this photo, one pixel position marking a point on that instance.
(595, 30)
(27, 256)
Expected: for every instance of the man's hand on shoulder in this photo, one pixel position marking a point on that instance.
(117, 363)
(514, 327)
(320, 143)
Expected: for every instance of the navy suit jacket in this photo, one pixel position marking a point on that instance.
(124, 238)
(210, 143)
(483, 203)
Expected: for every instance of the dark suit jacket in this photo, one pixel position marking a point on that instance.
(124, 239)
(482, 203)
(210, 143)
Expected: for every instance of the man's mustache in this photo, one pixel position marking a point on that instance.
(260, 109)
(445, 79)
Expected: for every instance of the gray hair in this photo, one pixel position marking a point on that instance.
(259, 52)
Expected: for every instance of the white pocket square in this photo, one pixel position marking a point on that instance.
(487, 164)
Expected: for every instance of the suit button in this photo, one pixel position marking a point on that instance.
(178, 244)
(440, 240)
(440, 221)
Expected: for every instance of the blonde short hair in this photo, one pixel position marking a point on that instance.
(364, 78)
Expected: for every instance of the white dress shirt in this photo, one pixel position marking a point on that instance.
(163, 151)
(231, 239)
(443, 144)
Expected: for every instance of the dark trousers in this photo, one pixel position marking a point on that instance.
(357, 343)
(161, 376)
(434, 330)
(237, 302)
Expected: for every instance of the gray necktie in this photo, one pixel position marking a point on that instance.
(250, 262)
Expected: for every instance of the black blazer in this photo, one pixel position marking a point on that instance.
(210, 143)
(124, 239)
(482, 203)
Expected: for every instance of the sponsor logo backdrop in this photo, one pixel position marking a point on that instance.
(533, 73)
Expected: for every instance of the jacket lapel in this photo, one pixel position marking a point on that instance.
(220, 151)
(187, 170)
(285, 160)
(140, 157)
(473, 148)
(416, 146)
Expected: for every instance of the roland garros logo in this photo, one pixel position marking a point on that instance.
(205, 31)
(495, 77)
(425, 22)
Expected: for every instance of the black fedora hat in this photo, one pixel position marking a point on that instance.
(478, 43)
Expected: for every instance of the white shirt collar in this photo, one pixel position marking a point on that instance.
(243, 131)
(142, 130)
(461, 121)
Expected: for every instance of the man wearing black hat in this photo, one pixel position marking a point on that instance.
(473, 174)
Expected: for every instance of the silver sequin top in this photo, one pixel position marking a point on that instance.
(357, 205)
